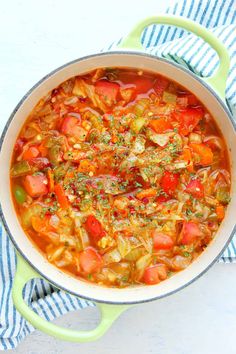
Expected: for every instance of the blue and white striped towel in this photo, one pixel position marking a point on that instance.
(168, 42)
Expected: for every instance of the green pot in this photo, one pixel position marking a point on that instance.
(31, 263)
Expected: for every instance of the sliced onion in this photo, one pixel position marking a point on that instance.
(180, 262)
(76, 115)
(52, 256)
(216, 141)
(71, 100)
(223, 172)
(180, 207)
(226, 175)
(203, 173)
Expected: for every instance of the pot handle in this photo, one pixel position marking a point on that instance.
(109, 313)
(218, 80)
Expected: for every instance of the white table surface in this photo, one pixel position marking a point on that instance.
(36, 37)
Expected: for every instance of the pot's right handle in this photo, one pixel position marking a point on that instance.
(109, 313)
(218, 80)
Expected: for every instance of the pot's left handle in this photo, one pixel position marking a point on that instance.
(218, 80)
(109, 313)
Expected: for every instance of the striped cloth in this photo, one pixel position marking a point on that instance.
(168, 42)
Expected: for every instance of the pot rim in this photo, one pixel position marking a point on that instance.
(12, 115)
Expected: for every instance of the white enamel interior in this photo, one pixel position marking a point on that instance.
(30, 252)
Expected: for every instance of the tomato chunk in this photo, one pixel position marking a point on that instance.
(195, 188)
(108, 91)
(160, 125)
(94, 228)
(36, 185)
(151, 275)
(162, 198)
(169, 182)
(162, 241)
(90, 260)
(40, 162)
(189, 233)
(71, 126)
(160, 85)
(68, 125)
(31, 153)
(142, 84)
(188, 119)
(61, 196)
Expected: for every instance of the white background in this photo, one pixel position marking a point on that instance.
(35, 38)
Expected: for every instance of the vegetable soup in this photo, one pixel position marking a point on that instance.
(120, 177)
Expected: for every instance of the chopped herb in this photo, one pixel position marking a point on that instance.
(189, 212)
(124, 278)
(186, 254)
(169, 274)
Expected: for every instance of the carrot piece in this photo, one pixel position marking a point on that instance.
(187, 156)
(204, 154)
(38, 223)
(61, 197)
(220, 212)
(50, 176)
(43, 149)
(41, 224)
(146, 193)
(160, 125)
(31, 153)
(86, 166)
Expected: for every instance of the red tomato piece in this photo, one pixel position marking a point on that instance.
(19, 145)
(192, 100)
(94, 228)
(71, 126)
(151, 275)
(162, 271)
(40, 162)
(142, 84)
(162, 241)
(61, 196)
(36, 185)
(189, 233)
(108, 91)
(162, 198)
(31, 153)
(160, 85)
(195, 188)
(169, 182)
(90, 260)
(128, 94)
(188, 119)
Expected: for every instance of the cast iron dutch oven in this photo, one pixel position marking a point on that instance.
(31, 263)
